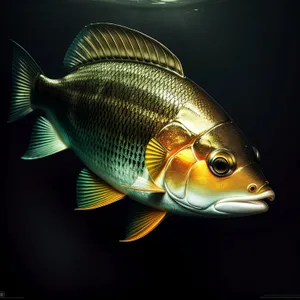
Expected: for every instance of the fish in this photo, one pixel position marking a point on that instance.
(141, 128)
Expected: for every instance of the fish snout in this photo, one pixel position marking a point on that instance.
(263, 190)
(253, 203)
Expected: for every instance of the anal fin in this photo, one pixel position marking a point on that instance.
(93, 192)
(44, 141)
(142, 222)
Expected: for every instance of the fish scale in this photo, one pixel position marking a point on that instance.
(107, 115)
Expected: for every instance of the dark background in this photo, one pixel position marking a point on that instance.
(245, 54)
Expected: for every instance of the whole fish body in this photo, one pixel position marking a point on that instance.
(141, 128)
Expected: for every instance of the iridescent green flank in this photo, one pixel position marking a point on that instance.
(107, 112)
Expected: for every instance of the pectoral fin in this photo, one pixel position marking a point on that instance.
(145, 185)
(92, 192)
(142, 222)
(156, 158)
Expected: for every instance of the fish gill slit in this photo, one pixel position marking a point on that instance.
(188, 179)
(214, 127)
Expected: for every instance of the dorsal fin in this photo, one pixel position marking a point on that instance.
(106, 41)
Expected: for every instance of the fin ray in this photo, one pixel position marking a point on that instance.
(24, 72)
(92, 192)
(143, 221)
(156, 158)
(44, 141)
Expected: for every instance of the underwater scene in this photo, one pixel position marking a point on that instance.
(150, 150)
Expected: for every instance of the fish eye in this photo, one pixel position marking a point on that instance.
(257, 155)
(221, 162)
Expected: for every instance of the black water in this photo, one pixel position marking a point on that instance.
(245, 54)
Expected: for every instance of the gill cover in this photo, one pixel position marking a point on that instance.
(198, 171)
(161, 149)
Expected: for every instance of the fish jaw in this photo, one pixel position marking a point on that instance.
(246, 205)
(231, 207)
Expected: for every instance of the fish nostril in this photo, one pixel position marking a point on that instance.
(252, 187)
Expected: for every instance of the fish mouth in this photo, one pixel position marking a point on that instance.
(245, 205)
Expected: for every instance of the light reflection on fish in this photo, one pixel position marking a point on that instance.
(150, 3)
(141, 128)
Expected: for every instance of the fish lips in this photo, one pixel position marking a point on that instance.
(245, 205)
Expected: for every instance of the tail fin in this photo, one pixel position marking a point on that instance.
(24, 71)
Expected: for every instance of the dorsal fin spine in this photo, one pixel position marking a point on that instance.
(121, 39)
(108, 47)
(100, 46)
(112, 38)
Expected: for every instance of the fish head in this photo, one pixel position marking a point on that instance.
(219, 174)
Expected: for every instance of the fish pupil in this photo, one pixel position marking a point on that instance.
(221, 165)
